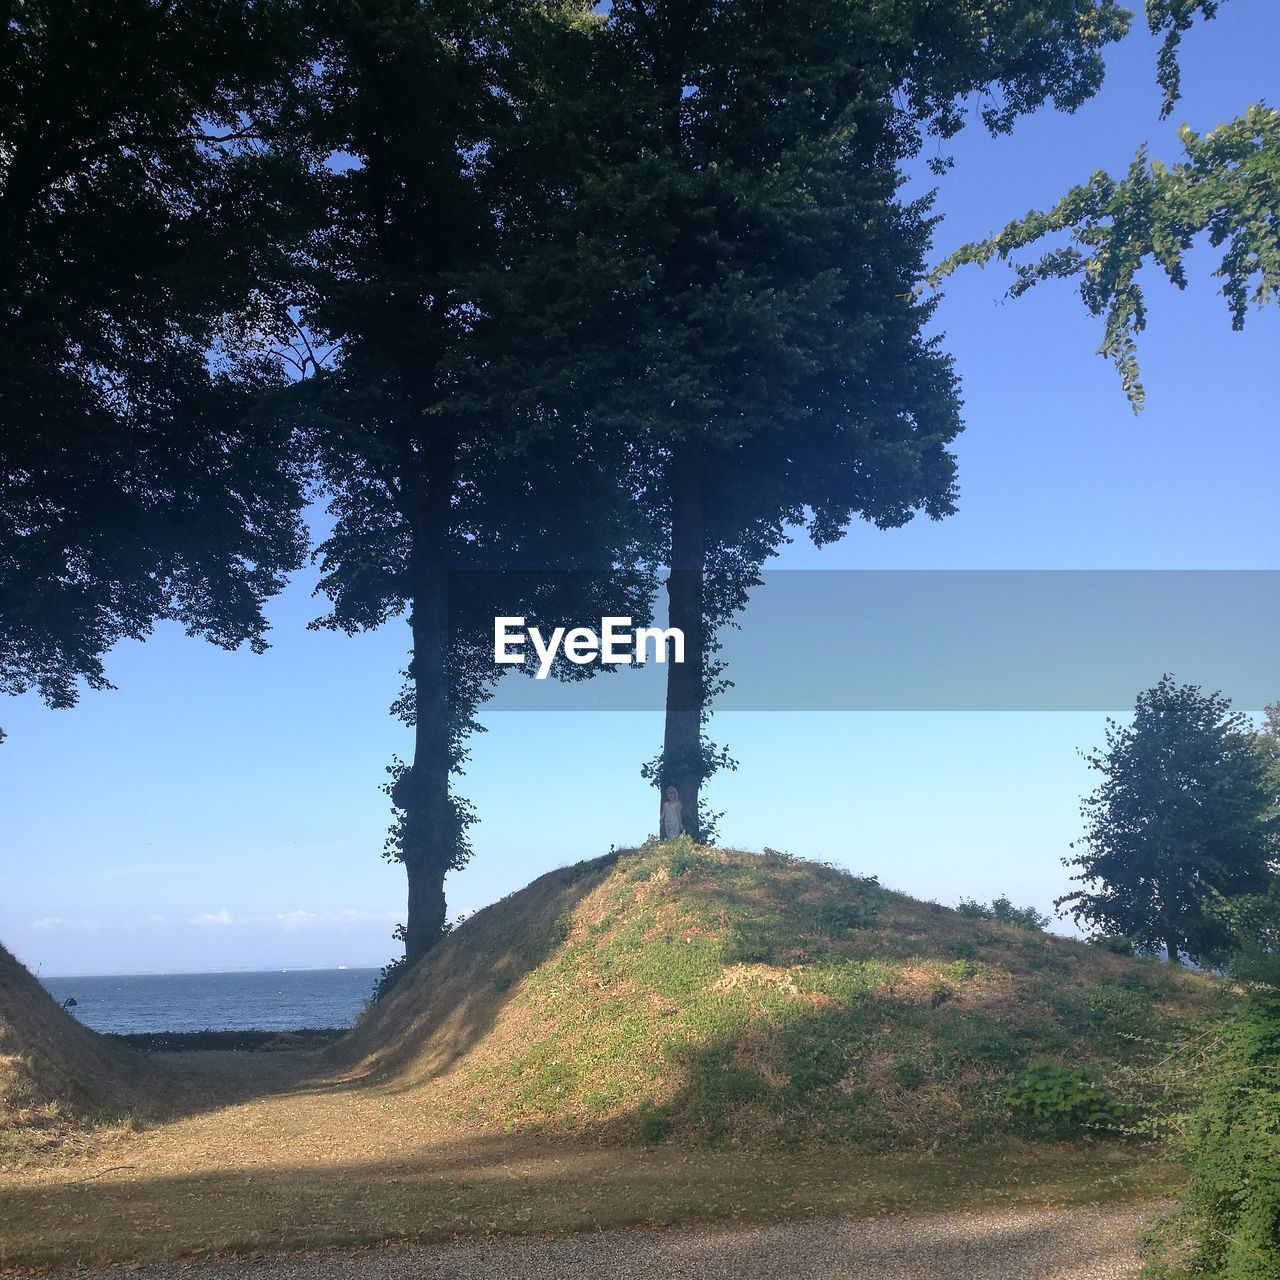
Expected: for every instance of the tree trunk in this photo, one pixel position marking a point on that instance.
(428, 838)
(682, 737)
(1173, 945)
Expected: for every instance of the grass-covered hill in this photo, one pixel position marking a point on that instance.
(678, 993)
(53, 1070)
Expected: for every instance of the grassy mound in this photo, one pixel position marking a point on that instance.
(693, 994)
(54, 1072)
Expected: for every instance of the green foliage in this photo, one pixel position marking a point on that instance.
(147, 210)
(1172, 19)
(1054, 1100)
(654, 1125)
(1118, 944)
(1229, 1226)
(686, 859)
(388, 976)
(1002, 909)
(1227, 188)
(908, 1074)
(1183, 819)
(394, 970)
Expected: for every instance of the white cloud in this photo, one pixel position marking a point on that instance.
(222, 917)
(347, 920)
(50, 924)
(58, 924)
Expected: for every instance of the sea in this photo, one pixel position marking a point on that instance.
(274, 1000)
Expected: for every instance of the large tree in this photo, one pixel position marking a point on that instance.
(738, 270)
(1185, 817)
(455, 498)
(142, 228)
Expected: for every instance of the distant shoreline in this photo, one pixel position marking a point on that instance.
(196, 973)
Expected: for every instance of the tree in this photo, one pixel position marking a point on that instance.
(739, 273)
(1228, 1224)
(1184, 817)
(142, 221)
(454, 498)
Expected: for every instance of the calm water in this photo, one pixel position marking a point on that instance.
(276, 1001)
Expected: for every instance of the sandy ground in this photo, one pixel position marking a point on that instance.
(1080, 1243)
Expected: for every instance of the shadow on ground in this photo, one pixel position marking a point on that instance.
(124, 1213)
(441, 1008)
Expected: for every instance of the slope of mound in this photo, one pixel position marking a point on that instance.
(716, 995)
(52, 1069)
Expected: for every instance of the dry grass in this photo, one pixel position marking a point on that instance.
(322, 1165)
(56, 1076)
(788, 1039)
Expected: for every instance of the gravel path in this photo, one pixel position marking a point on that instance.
(1092, 1243)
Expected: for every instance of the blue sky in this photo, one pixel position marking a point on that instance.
(222, 810)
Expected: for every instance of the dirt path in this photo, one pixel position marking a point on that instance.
(1081, 1243)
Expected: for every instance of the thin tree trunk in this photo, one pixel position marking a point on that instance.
(1173, 945)
(682, 737)
(427, 832)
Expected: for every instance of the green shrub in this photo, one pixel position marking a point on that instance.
(1024, 917)
(1229, 1227)
(908, 1074)
(684, 859)
(388, 976)
(1118, 944)
(840, 915)
(1002, 909)
(750, 942)
(654, 1125)
(1053, 1100)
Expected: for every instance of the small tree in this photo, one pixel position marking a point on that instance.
(1183, 818)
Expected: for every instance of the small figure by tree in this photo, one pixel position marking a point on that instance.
(1184, 818)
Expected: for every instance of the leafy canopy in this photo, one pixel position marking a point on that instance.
(142, 220)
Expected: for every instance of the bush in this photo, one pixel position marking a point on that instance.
(1053, 1100)
(1230, 1221)
(685, 859)
(388, 976)
(1002, 909)
(1024, 917)
(1118, 944)
(654, 1125)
